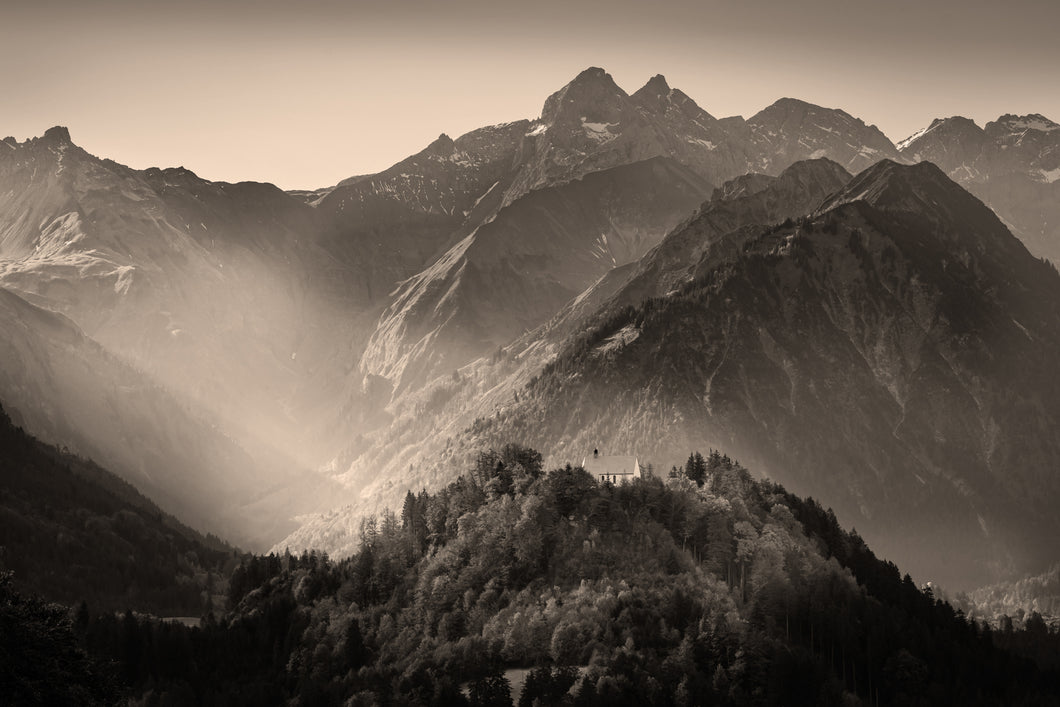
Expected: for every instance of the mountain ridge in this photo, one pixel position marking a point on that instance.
(1012, 164)
(590, 126)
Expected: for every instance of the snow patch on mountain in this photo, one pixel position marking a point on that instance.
(123, 279)
(903, 144)
(1031, 122)
(601, 132)
(700, 141)
(484, 195)
(1049, 175)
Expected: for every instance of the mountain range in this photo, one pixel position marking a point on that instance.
(891, 348)
(895, 346)
(1012, 164)
(625, 271)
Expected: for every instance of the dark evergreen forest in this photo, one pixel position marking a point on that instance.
(517, 585)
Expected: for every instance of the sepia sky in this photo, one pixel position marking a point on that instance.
(305, 93)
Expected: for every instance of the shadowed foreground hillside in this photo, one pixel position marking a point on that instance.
(73, 532)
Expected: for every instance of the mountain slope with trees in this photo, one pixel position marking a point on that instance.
(663, 591)
(73, 532)
(895, 351)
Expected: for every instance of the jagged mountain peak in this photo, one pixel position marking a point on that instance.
(55, 139)
(443, 145)
(793, 110)
(889, 185)
(592, 74)
(57, 134)
(791, 129)
(658, 97)
(924, 193)
(789, 103)
(591, 94)
(957, 120)
(796, 111)
(956, 127)
(1021, 123)
(181, 173)
(656, 86)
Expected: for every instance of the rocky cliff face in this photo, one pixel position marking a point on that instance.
(514, 272)
(393, 224)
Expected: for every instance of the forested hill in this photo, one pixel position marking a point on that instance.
(71, 532)
(512, 585)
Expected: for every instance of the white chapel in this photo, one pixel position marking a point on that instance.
(612, 469)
